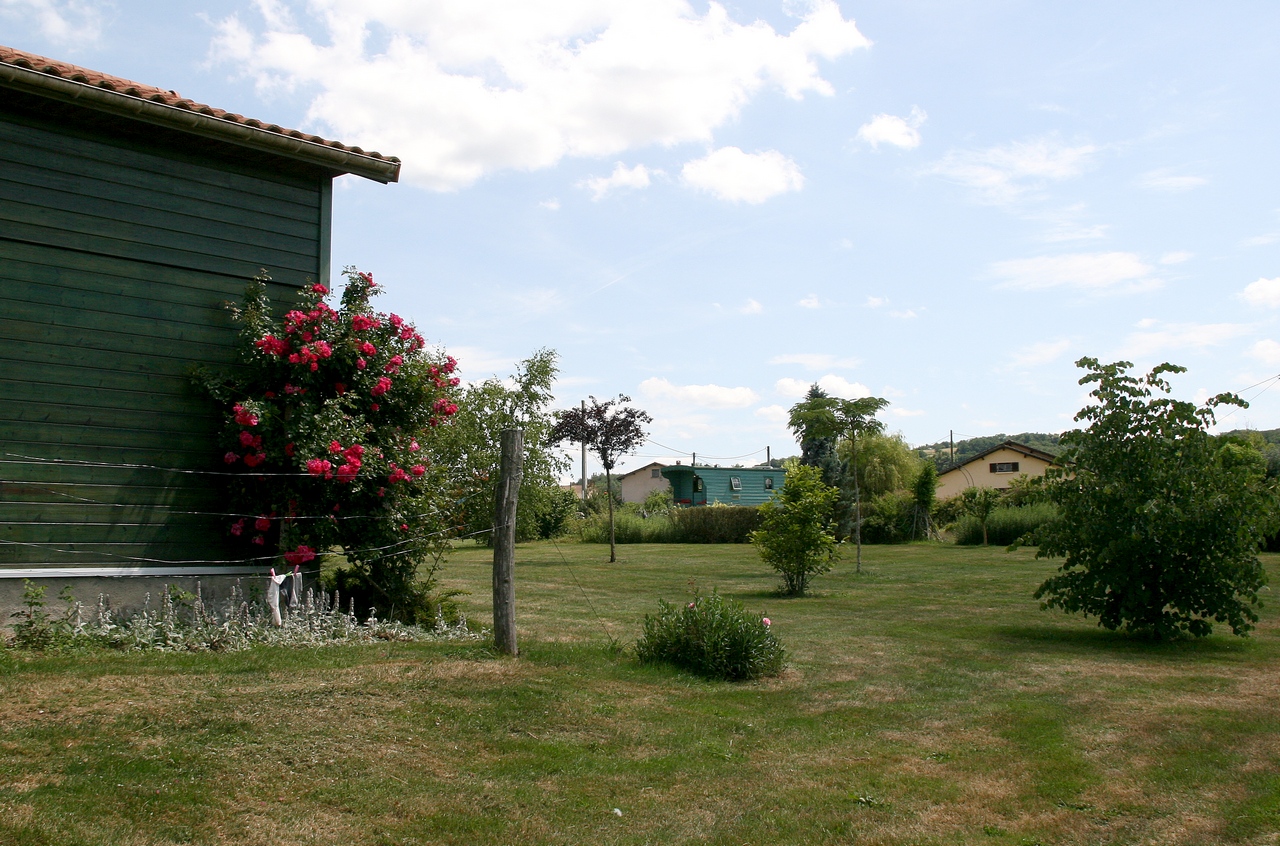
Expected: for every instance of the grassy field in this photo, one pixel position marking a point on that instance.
(928, 701)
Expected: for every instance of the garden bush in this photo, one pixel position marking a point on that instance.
(1005, 525)
(717, 524)
(889, 518)
(709, 524)
(713, 637)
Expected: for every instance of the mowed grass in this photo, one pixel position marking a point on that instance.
(928, 701)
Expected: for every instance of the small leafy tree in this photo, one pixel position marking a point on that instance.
(1159, 522)
(924, 492)
(980, 502)
(470, 448)
(831, 417)
(327, 432)
(795, 529)
(607, 431)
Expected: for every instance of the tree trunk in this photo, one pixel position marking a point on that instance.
(608, 489)
(504, 541)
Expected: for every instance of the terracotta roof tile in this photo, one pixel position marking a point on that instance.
(75, 73)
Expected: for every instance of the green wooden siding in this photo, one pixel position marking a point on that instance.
(116, 260)
(717, 484)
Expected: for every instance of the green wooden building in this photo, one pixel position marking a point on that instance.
(703, 485)
(128, 217)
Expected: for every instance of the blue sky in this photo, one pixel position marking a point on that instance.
(708, 207)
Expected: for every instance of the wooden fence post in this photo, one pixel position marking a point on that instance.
(504, 541)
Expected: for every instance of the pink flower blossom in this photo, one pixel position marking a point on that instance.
(384, 385)
(237, 528)
(319, 289)
(254, 459)
(393, 366)
(347, 472)
(301, 555)
(245, 417)
(259, 540)
(318, 466)
(361, 364)
(246, 438)
(262, 524)
(334, 446)
(361, 322)
(354, 453)
(231, 458)
(323, 349)
(288, 449)
(339, 388)
(368, 348)
(417, 469)
(395, 320)
(766, 621)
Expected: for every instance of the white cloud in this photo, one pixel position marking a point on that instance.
(1178, 337)
(906, 412)
(1163, 180)
(622, 177)
(773, 413)
(476, 363)
(1176, 257)
(1042, 352)
(552, 204)
(61, 21)
(461, 90)
(707, 396)
(835, 385)
(1085, 271)
(1065, 224)
(751, 307)
(1261, 240)
(876, 302)
(1267, 351)
(732, 175)
(1006, 173)
(891, 129)
(814, 361)
(908, 314)
(1264, 292)
(810, 301)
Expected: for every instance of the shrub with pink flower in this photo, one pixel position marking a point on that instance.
(315, 467)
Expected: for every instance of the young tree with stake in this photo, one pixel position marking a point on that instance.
(608, 432)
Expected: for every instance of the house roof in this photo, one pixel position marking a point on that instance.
(1031, 452)
(70, 83)
(649, 466)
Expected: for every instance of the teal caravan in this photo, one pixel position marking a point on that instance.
(129, 215)
(703, 485)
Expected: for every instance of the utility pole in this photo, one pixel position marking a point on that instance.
(768, 457)
(951, 439)
(504, 541)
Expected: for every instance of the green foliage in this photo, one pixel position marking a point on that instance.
(328, 439)
(924, 492)
(659, 501)
(1005, 525)
(713, 637)
(794, 535)
(704, 524)
(36, 628)
(819, 450)
(884, 463)
(1160, 522)
(978, 503)
(889, 518)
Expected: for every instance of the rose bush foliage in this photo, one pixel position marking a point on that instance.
(327, 441)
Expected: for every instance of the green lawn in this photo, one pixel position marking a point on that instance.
(928, 700)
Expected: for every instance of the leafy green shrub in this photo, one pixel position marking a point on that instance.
(889, 518)
(709, 524)
(628, 528)
(712, 637)
(1004, 526)
(795, 529)
(717, 524)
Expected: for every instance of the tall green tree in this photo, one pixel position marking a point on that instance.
(820, 450)
(610, 429)
(1159, 522)
(843, 420)
(470, 449)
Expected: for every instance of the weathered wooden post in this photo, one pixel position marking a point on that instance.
(504, 541)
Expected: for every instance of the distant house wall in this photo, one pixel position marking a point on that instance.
(996, 468)
(639, 483)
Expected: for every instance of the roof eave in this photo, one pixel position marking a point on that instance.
(173, 117)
